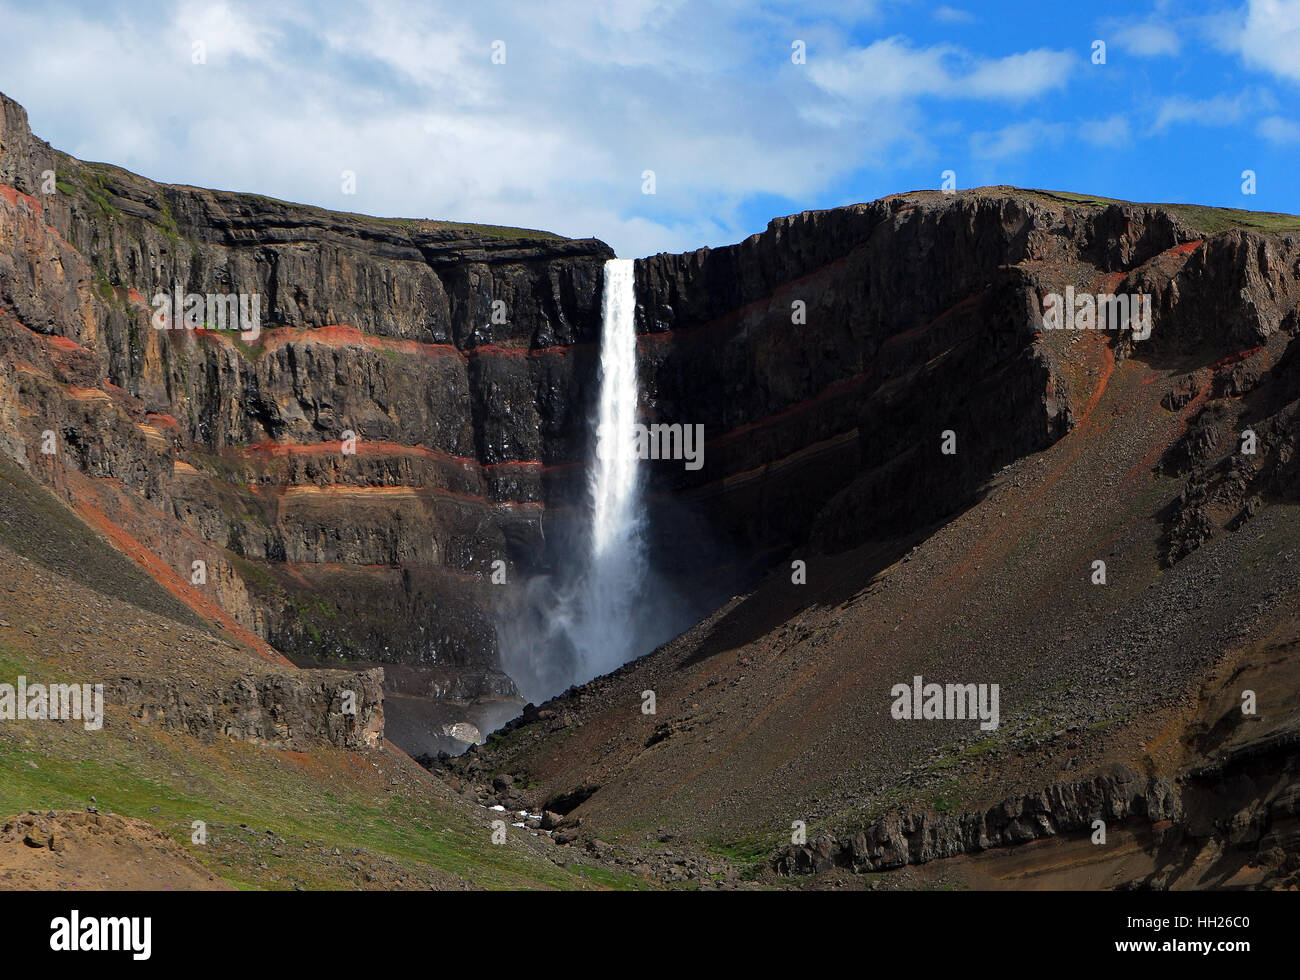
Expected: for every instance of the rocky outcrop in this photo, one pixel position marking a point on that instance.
(1114, 796)
(297, 711)
(51, 849)
(1243, 414)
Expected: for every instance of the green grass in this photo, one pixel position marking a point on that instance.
(979, 748)
(414, 227)
(500, 741)
(607, 878)
(249, 353)
(109, 212)
(947, 798)
(1213, 220)
(98, 192)
(907, 795)
(312, 612)
(168, 225)
(747, 853)
(95, 178)
(103, 288)
(256, 577)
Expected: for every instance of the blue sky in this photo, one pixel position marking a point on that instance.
(407, 97)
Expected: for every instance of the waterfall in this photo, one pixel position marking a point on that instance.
(596, 613)
(613, 480)
(603, 631)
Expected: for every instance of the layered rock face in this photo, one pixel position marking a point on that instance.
(350, 472)
(827, 356)
(413, 408)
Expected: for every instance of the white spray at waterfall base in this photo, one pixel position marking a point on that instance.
(596, 618)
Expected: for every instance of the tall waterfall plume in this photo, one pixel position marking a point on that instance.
(597, 612)
(616, 558)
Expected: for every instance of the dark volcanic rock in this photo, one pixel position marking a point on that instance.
(566, 803)
(824, 358)
(284, 711)
(1114, 795)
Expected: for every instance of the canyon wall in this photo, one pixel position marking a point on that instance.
(415, 406)
(457, 356)
(826, 356)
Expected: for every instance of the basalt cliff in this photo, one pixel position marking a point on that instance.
(415, 406)
(904, 473)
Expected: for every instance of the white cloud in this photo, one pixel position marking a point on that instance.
(1035, 135)
(1113, 131)
(222, 30)
(1276, 129)
(952, 15)
(1217, 111)
(1018, 76)
(894, 69)
(1269, 38)
(1147, 38)
(1017, 139)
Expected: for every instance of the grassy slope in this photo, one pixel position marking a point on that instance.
(313, 804)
